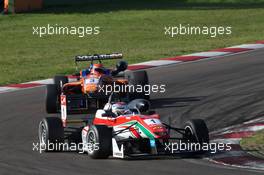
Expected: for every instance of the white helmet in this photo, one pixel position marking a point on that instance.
(119, 108)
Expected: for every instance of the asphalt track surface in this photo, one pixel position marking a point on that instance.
(223, 91)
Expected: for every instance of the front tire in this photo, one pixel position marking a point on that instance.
(51, 134)
(58, 79)
(53, 94)
(52, 99)
(196, 131)
(99, 139)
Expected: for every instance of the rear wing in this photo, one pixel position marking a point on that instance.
(79, 58)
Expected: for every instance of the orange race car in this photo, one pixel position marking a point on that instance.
(93, 85)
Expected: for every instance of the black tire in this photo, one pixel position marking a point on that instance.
(52, 99)
(196, 131)
(1, 6)
(60, 78)
(51, 134)
(137, 78)
(99, 138)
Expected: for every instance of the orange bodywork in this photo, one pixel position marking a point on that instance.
(121, 81)
(91, 83)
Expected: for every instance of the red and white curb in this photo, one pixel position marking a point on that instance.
(216, 53)
(237, 157)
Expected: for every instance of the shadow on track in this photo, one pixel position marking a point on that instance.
(174, 102)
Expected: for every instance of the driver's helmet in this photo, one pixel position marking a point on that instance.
(120, 108)
(97, 68)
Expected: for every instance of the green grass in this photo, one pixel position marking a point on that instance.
(135, 28)
(254, 144)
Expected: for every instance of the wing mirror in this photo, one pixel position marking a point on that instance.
(108, 107)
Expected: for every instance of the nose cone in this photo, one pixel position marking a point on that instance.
(160, 131)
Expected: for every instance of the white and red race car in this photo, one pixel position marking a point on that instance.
(123, 130)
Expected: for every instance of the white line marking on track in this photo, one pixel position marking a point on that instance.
(7, 89)
(46, 81)
(249, 46)
(209, 54)
(157, 63)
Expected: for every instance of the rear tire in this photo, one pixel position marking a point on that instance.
(137, 78)
(52, 99)
(99, 139)
(51, 134)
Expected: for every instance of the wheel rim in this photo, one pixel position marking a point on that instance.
(43, 134)
(91, 140)
(189, 134)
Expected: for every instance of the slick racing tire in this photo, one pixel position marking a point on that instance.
(51, 134)
(60, 78)
(196, 131)
(52, 99)
(138, 78)
(99, 139)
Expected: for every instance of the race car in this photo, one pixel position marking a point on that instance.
(124, 130)
(90, 88)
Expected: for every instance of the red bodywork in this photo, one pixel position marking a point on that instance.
(158, 130)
